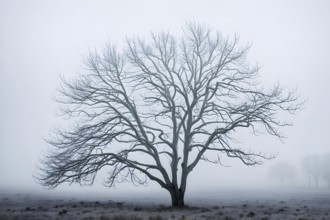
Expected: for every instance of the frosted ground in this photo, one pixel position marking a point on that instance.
(226, 204)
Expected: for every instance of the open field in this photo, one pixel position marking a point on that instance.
(226, 205)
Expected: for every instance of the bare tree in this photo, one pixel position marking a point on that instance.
(311, 165)
(158, 108)
(283, 171)
(325, 166)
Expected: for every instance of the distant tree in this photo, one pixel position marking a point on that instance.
(311, 165)
(156, 109)
(325, 166)
(283, 171)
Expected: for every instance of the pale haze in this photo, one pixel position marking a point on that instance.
(41, 40)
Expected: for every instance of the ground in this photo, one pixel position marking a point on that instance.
(256, 204)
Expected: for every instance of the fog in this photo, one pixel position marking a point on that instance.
(41, 40)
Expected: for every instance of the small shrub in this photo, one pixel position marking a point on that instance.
(250, 214)
(63, 211)
(205, 210)
(119, 204)
(157, 217)
(137, 209)
(119, 217)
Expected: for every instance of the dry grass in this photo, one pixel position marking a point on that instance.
(109, 210)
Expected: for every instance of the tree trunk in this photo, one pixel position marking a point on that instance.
(177, 197)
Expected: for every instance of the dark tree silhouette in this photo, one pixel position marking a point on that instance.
(158, 108)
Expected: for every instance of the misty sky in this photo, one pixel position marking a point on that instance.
(39, 40)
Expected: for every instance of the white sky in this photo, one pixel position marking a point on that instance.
(41, 39)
